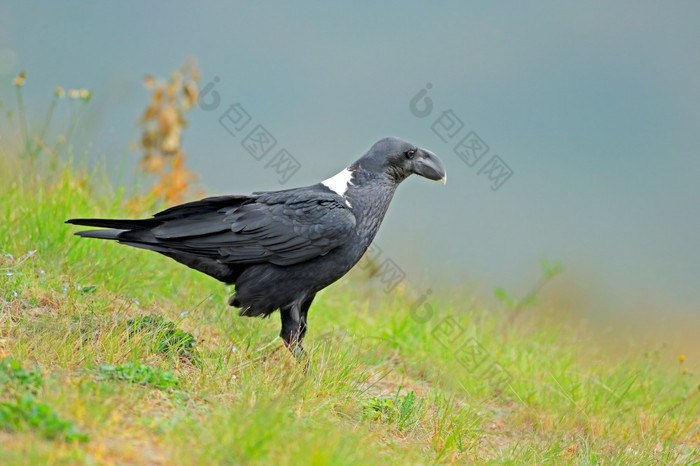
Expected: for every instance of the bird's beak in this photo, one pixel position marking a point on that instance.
(428, 165)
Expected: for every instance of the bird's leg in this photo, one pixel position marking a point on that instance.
(303, 312)
(291, 330)
(294, 328)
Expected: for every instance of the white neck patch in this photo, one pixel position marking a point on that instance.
(339, 183)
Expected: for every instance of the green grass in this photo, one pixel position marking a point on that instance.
(135, 372)
(115, 355)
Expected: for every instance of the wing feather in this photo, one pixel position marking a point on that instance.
(281, 228)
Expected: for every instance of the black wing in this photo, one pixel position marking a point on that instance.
(282, 228)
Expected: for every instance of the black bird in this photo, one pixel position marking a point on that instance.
(280, 248)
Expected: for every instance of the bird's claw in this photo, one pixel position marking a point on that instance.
(299, 353)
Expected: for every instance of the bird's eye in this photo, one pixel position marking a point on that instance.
(410, 153)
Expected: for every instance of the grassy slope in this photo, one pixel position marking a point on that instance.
(383, 386)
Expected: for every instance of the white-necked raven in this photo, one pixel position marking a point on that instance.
(280, 248)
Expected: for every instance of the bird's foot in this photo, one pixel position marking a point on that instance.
(299, 353)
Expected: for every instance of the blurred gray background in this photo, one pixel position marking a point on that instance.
(595, 108)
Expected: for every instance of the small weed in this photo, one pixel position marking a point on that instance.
(168, 339)
(162, 125)
(403, 411)
(12, 373)
(27, 413)
(549, 271)
(135, 372)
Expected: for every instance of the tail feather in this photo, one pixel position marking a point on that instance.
(177, 225)
(101, 234)
(115, 223)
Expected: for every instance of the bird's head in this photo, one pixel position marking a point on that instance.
(398, 159)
